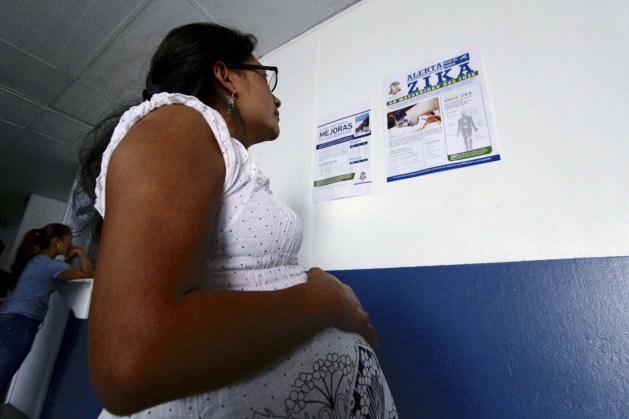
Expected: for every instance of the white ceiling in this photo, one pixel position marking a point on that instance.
(66, 63)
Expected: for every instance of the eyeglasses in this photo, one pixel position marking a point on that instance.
(270, 73)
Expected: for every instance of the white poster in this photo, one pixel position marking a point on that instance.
(438, 118)
(342, 165)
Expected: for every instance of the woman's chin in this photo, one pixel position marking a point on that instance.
(274, 134)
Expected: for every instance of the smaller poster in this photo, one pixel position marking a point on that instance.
(342, 166)
(439, 118)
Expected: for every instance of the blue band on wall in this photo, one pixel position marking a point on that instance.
(504, 340)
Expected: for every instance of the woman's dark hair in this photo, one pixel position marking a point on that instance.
(34, 242)
(182, 63)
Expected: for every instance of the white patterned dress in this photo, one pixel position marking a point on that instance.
(254, 247)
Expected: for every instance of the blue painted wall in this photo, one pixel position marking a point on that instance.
(546, 339)
(542, 339)
(70, 394)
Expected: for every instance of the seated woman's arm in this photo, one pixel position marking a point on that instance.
(154, 334)
(85, 271)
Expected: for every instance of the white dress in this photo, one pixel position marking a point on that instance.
(254, 247)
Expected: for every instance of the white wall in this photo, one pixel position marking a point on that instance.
(555, 73)
(287, 159)
(12, 207)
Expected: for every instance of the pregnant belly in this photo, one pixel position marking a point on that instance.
(333, 375)
(333, 372)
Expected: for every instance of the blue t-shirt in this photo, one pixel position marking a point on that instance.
(36, 283)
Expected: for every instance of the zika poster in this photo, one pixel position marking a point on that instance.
(342, 167)
(438, 118)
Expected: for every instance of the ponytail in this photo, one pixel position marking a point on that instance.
(33, 243)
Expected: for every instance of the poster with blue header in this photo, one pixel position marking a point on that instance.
(438, 117)
(342, 166)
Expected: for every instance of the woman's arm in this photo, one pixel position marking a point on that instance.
(154, 334)
(86, 270)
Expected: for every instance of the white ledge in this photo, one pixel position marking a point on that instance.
(78, 294)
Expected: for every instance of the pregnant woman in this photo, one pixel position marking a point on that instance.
(199, 307)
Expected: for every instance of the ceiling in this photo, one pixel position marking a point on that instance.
(66, 63)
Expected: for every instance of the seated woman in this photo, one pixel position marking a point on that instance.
(38, 274)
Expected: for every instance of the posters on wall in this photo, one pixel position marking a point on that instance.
(342, 165)
(438, 118)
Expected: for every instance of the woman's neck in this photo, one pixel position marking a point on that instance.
(50, 252)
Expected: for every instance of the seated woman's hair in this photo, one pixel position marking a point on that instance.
(34, 242)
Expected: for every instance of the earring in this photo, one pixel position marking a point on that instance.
(231, 103)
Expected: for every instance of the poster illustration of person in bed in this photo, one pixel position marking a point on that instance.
(418, 117)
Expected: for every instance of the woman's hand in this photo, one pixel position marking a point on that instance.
(73, 252)
(86, 270)
(348, 313)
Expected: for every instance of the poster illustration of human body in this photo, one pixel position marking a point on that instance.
(438, 118)
(343, 156)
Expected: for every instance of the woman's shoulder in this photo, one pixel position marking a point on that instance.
(45, 260)
(173, 115)
(43, 265)
(171, 147)
(166, 131)
(171, 119)
(171, 129)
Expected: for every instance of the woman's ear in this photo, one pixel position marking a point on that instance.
(225, 78)
(55, 242)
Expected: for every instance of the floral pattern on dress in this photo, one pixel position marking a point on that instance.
(337, 387)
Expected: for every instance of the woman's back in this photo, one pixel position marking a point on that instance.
(35, 284)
